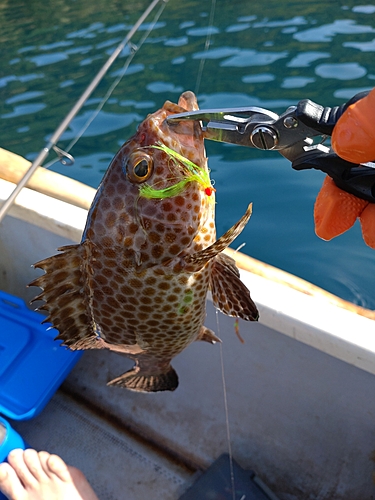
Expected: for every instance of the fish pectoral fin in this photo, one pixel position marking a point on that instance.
(141, 380)
(207, 335)
(203, 256)
(229, 294)
(63, 286)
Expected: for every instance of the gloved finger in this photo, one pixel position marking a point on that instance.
(353, 137)
(367, 219)
(335, 210)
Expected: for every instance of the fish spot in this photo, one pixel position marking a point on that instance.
(110, 219)
(185, 240)
(107, 290)
(150, 280)
(145, 308)
(105, 204)
(175, 249)
(157, 251)
(110, 263)
(172, 298)
(164, 285)
(154, 237)
(132, 322)
(133, 228)
(120, 187)
(167, 308)
(117, 277)
(124, 217)
(170, 237)
(110, 190)
(160, 228)
(166, 206)
(144, 257)
(183, 280)
(118, 203)
(61, 276)
(109, 251)
(128, 241)
(107, 272)
(207, 237)
(179, 201)
(135, 283)
(100, 280)
(146, 300)
(142, 316)
(127, 314)
(148, 291)
(113, 302)
(99, 229)
(126, 290)
(171, 217)
(151, 322)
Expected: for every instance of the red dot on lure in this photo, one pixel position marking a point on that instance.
(209, 190)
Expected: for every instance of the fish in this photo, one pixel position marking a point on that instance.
(138, 281)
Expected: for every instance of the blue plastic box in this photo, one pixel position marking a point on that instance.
(32, 364)
(9, 440)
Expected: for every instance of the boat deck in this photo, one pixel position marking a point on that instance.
(299, 390)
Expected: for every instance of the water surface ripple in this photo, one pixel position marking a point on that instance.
(265, 54)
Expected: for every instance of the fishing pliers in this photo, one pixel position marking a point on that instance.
(297, 134)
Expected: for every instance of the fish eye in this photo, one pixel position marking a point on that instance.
(139, 167)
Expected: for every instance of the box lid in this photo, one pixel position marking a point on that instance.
(32, 363)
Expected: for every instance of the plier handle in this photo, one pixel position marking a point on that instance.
(293, 134)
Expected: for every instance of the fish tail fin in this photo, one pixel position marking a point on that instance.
(140, 380)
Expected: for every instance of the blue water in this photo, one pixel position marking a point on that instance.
(268, 54)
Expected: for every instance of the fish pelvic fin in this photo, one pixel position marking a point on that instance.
(207, 335)
(229, 294)
(66, 298)
(142, 381)
(203, 256)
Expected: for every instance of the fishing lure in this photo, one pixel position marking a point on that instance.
(193, 171)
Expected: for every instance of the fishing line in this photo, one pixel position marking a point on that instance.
(73, 112)
(206, 46)
(134, 50)
(226, 410)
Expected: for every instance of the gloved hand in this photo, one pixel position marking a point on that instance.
(353, 139)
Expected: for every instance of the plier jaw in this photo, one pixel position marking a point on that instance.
(232, 125)
(292, 134)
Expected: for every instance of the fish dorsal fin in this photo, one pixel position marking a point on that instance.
(63, 285)
(200, 258)
(229, 294)
(207, 335)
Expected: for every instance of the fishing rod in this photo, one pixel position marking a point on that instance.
(72, 113)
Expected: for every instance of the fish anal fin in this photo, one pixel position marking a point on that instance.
(200, 258)
(207, 335)
(139, 380)
(229, 294)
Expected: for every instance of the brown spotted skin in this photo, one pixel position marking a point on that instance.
(137, 283)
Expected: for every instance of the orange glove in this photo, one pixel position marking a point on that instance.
(353, 139)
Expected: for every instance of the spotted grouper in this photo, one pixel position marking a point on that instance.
(137, 282)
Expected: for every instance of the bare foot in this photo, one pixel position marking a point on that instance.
(30, 475)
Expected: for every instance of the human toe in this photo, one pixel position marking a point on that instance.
(33, 463)
(17, 461)
(10, 484)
